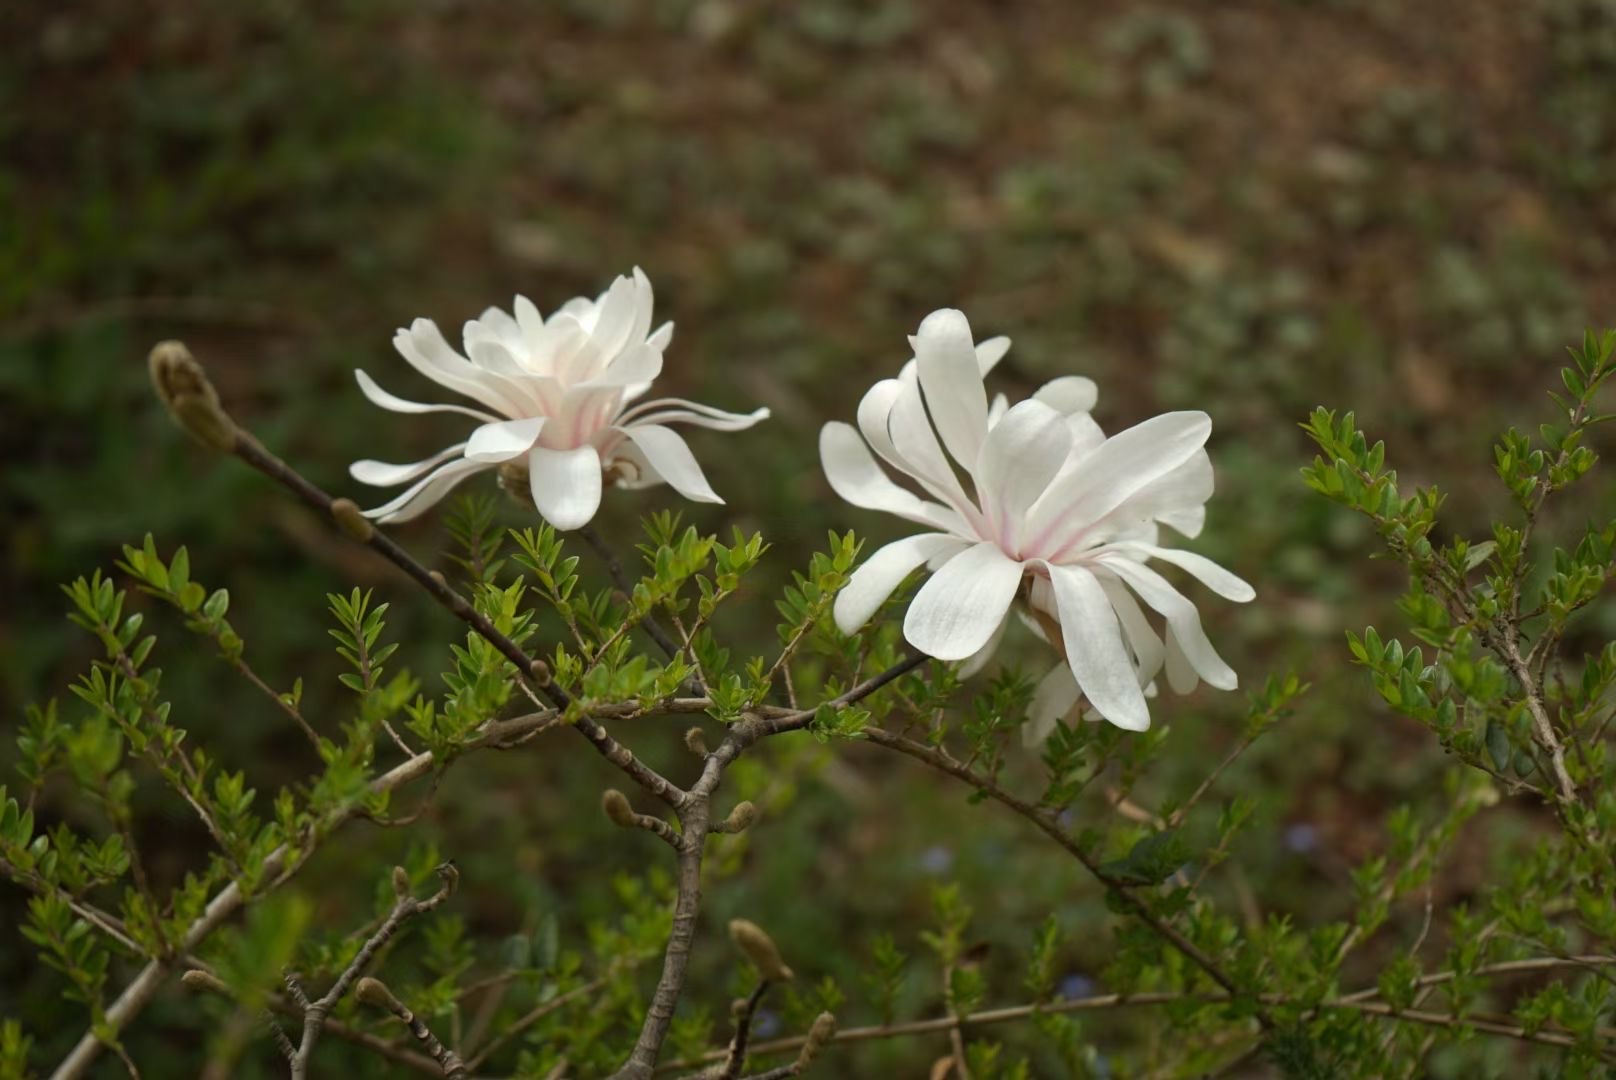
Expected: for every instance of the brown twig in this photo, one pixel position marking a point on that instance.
(373, 991)
(405, 907)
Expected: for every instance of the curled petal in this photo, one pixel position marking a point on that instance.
(1208, 573)
(381, 474)
(502, 441)
(665, 410)
(959, 608)
(1182, 619)
(394, 403)
(670, 455)
(423, 346)
(565, 485)
(419, 499)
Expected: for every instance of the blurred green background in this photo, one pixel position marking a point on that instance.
(1249, 207)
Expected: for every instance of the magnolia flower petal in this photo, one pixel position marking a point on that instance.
(721, 422)
(990, 352)
(1180, 675)
(874, 421)
(530, 321)
(1069, 394)
(652, 412)
(498, 325)
(394, 403)
(493, 355)
(1182, 619)
(917, 446)
(614, 318)
(952, 379)
(502, 441)
(1100, 481)
(959, 608)
(1095, 650)
(1020, 456)
(1148, 650)
(996, 410)
(635, 364)
(661, 337)
(978, 660)
(870, 585)
(420, 498)
(381, 474)
(1053, 701)
(644, 299)
(670, 455)
(1208, 573)
(424, 347)
(855, 476)
(1177, 499)
(565, 485)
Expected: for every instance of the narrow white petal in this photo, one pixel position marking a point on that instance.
(1022, 453)
(1208, 573)
(670, 455)
(990, 352)
(722, 422)
(952, 379)
(420, 498)
(381, 474)
(870, 585)
(996, 409)
(565, 485)
(1100, 481)
(1181, 675)
(874, 421)
(661, 337)
(1095, 650)
(959, 608)
(529, 319)
(424, 347)
(916, 444)
(394, 403)
(640, 326)
(855, 476)
(651, 412)
(502, 441)
(1182, 618)
(1054, 699)
(1069, 394)
(1148, 650)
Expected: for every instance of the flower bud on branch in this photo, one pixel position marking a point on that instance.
(760, 949)
(740, 819)
(189, 396)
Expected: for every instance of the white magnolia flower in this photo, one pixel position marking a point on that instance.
(555, 397)
(1058, 516)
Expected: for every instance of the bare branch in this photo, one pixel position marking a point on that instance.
(374, 992)
(405, 908)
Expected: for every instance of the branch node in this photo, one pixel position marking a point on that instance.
(352, 522)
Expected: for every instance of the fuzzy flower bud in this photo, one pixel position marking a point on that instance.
(617, 808)
(696, 742)
(760, 949)
(741, 818)
(374, 992)
(401, 882)
(821, 1033)
(190, 398)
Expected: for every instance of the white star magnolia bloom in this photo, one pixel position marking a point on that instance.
(1061, 517)
(556, 396)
